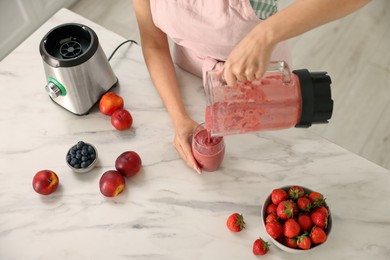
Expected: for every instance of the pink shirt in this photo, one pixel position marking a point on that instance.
(206, 31)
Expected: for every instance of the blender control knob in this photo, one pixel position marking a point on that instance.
(53, 90)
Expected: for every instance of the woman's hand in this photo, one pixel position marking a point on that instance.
(249, 59)
(182, 142)
(155, 48)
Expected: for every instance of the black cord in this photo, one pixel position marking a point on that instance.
(112, 54)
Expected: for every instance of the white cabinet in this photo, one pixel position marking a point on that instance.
(19, 18)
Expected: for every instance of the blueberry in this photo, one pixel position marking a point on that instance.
(72, 152)
(90, 149)
(80, 144)
(92, 156)
(77, 166)
(84, 158)
(84, 165)
(73, 162)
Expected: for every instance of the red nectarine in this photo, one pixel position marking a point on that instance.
(110, 102)
(128, 163)
(45, 182)
(112, 183)
(121, 119)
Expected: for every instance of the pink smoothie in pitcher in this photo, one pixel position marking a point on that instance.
(279, 100)
(208, 151)
(253, 108)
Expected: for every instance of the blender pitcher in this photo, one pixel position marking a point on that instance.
(278, 100)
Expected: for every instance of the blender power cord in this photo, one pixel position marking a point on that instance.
(120, 45)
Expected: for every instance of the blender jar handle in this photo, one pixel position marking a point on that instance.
(283, 67)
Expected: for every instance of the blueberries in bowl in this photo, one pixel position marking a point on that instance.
(81, 157)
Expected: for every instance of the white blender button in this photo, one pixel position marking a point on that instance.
(53, 90)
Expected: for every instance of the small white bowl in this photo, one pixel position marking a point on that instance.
(280, 245)
(89, 167)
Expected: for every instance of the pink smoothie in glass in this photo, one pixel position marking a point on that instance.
(208, 151)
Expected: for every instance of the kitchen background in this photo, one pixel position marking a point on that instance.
(353, 50)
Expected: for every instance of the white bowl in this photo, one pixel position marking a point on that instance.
(280, 245)
(86, 169)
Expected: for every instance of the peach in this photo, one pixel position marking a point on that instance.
(121, 119)
(112, 183)
(128, 163)
(110, 102)
(45, 182)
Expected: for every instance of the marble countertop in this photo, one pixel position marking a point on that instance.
(167, 211)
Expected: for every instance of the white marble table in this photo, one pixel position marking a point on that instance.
(167, 211)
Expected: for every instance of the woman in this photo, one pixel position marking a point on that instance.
(242, 34)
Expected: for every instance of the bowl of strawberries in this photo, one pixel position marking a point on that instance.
(296, 219)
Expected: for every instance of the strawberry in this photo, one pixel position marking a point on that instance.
(235, 222)
(291, 228)
(295, 208)
(319, 218)
(271, 208)
(274, 229)
(280, 238)
(323, 209)
(285, 210)
(304, 204)
(304, 242)
(295, 192)
(318, 235)
(305, 222)
(290, 242)
(278, 195)
(317, 199)
(271, 217)
(260, 247)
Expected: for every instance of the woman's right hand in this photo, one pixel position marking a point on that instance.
(182, 142)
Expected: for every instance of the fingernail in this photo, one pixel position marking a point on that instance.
(199, 171)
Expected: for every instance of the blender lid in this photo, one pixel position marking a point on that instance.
(317, 103)
(68, 45)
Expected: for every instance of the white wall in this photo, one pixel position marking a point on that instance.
(19, 18)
